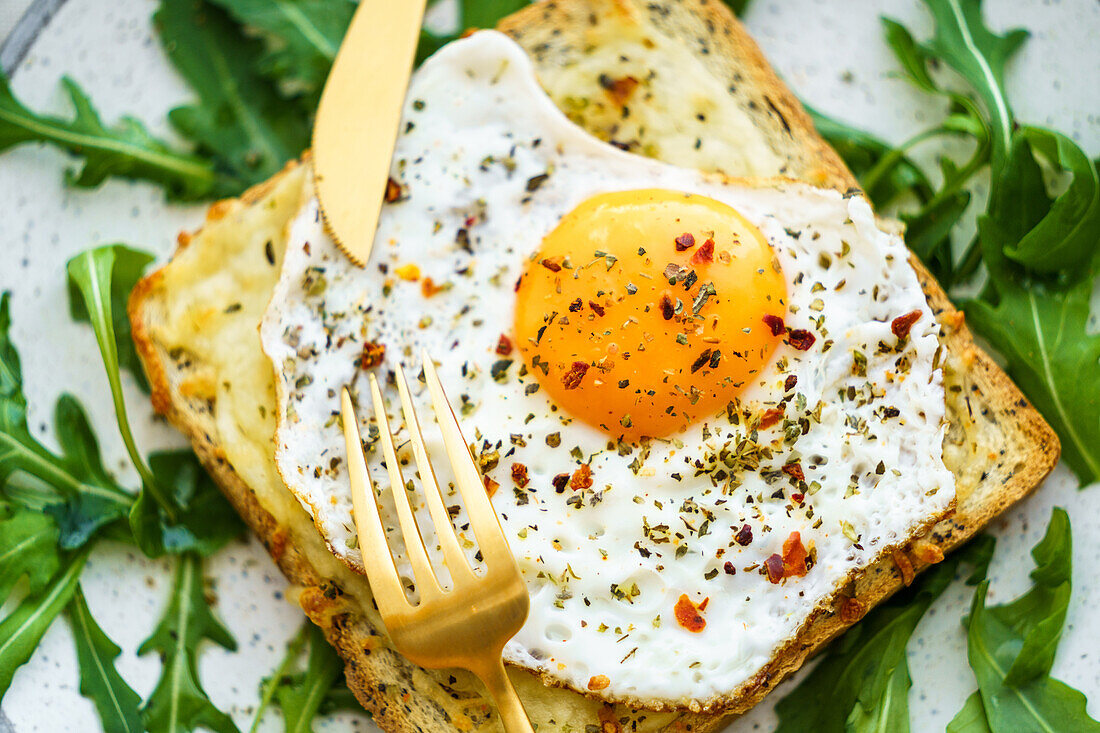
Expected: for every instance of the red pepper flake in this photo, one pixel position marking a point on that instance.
(689, 616)
(773, 567)
(794, 470)
(927, 552)
(582, 478)
(705, 254)
(775, 323)
(596, 307)
(519, 474)
(851, 610)
(619, 89)
(491, 486)
(905, 567)
(560, 482)
(428, 288)
(743, 536)
(576, 305)
(667, 309)
(794, 556)
(801, 339)
(575, 375)
(393, 191)
(550, 265)
(729, 569)
(771, 417)
(797, 498)
(789, 384)
(685, 241)
(598, 682)
(504, 345)
(901, 325)
(372, 355)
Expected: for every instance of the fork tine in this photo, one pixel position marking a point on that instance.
(452, 553)
(426, 582)
(483, 518)
(383, 577)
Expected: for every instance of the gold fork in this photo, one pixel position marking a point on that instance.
(468, 625)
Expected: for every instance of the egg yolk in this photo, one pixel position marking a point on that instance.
(643, 311)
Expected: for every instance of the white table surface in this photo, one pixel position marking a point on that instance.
(10, 12)
(832, 54)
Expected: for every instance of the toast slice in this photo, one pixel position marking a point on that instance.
(195, 323)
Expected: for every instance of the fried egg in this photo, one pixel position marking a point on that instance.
(700, 404)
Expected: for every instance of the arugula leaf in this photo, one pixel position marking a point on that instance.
(895, 176)
(304, 695)
(116, 701)
(301, 38)
(23, 628)
(893, 181)
(971, 719)
(929, 229)
(240, 120)
(430, 42)
(888, 175)
(863, 681)
(1011, 647)
(487, 13)
(1048, 600)
(914, 58)
(339, 698)
(206, 522)
(83, 514)
(1065, 236)
(126, 150)
(179, 507)
(178, 703)
(28, 546)
(964, 42)
(978, 554)
(91, 273)
(272, 683)
(301, 697)
(73, 487)
(737, 6)
(1041, 327)
(1043, 335)
(130, 265)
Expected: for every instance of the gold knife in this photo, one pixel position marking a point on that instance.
(357, 120)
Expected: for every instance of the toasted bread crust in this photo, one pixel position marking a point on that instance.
(551, 31)
(981, 397)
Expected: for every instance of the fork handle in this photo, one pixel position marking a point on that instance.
(512, 714)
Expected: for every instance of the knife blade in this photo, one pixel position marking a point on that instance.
(358, 118)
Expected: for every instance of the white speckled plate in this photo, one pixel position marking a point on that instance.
(830, 51)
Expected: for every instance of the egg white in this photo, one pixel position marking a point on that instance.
(477, 133)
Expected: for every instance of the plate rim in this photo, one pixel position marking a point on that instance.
(14, 49)
(12, 52)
